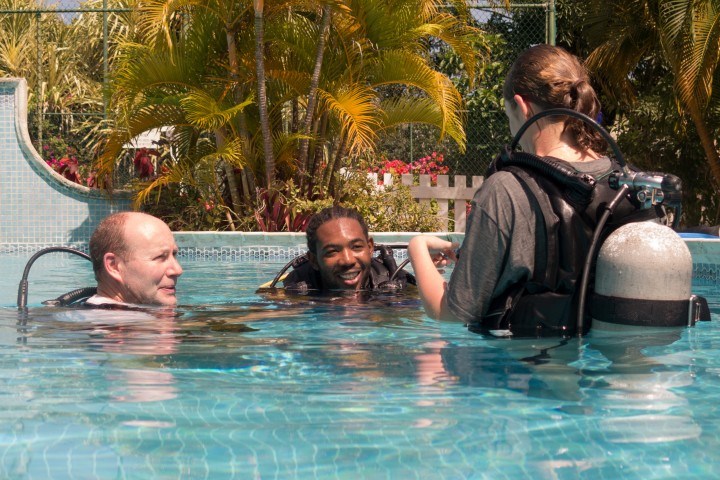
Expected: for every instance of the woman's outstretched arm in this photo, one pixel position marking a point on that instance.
(427, 253)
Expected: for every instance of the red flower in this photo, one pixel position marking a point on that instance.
(143, 163)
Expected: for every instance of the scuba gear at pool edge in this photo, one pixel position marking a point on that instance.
(384, 272)
(543, 177)
(63, 300)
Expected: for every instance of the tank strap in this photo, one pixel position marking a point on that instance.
(72, 297)
(649, 313)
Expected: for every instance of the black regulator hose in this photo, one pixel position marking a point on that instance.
(23, 287)
(295, 263)
(402, 265)
(609, 209)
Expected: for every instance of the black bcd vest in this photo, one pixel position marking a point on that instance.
(571, 204)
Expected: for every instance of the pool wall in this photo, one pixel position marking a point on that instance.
(39, 207)
(263, 245)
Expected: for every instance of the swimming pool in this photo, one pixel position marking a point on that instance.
(241, 386)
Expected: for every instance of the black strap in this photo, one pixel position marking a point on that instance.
(546, 261)
(72, 297)
(648, 313)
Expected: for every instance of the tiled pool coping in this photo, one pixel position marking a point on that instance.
(262, 246)
(268, 246)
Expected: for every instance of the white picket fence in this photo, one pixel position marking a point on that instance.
(446, 196)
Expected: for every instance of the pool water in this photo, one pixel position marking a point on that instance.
(245, 386)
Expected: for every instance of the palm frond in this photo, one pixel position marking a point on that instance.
(401, 68)
(180, 173)
(403, 110)
(464, 40)
(355, 109)
(285, 145)
(205, 112)
(690, 38)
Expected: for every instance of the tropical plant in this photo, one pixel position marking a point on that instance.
(280, 209)
(640, 39)
(60, 80)
(298, 105)
(388, 209)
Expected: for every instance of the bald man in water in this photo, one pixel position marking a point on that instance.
(134, 257)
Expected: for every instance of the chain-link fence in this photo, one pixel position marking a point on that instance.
(31, 30)
(508, 32)
(34, 48)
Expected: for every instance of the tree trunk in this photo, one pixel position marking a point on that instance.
(312, 95)
(262, 94)
(229, 175)
(295, 124)
(238, 97)
(706, 140)
(319, 155)
(335, 167)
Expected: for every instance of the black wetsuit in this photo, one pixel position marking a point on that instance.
(305, 279)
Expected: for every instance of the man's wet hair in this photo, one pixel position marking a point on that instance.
(109, 236)
(331, 213)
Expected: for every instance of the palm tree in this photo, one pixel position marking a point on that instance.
(685, 34)
(259, 6)
(690, 37)
(174, 78)
(230, 76)
(372, 45)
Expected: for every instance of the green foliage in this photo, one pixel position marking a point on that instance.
(655, 64)
(284, 209)
(653, 138)
(202, 80)
(184, 209)
(386, 208)
(486, 125)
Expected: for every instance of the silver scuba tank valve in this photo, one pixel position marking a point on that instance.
(650, 188)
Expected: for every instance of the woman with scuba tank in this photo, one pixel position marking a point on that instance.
(533, 218)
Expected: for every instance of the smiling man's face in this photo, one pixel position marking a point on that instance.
(343, 254)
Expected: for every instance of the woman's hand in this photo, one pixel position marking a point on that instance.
(442, 252)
